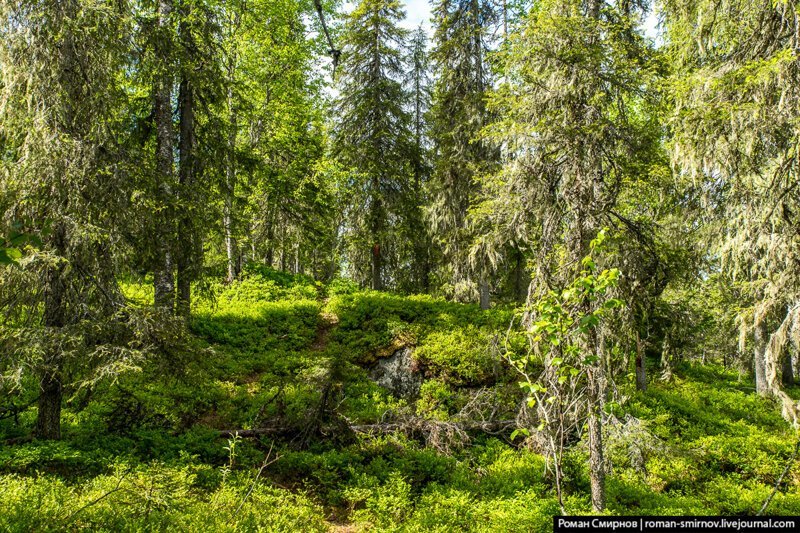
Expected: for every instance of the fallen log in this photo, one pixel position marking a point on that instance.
(416, 424)
(483, 426)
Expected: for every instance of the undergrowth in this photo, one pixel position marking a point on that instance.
(144, 453)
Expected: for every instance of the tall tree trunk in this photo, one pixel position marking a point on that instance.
(163, 276)
(595, 394)
(376, 223)
(485, 295)
(759, 361)
(230, 175)
(230, 242)
(641, 369)
(377, 281)
(48, 418)
(597, 472)
(269, 258)
(187, 234)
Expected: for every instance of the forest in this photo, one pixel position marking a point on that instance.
(299, 265)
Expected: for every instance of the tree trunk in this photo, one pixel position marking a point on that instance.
(485, 295)
(519, 277)
(377, 281)
(230, 243)
(163, 277)
(759, 361)
(230, 176)
(187, 234)
(48, 418)
(269, 258)
(641, 369)
(597, 472)
(595, 386)
(667, 358)
(376, 223)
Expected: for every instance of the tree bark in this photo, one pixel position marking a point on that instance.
(519, 275)
(230, 242)
(759, 361)
(230, 176)
(48, 418)
(377, 280)
(387, 427)
(485, 295)
(376, 226)
(163, 276)
(641, 369)
(597, 472)
(187, 234)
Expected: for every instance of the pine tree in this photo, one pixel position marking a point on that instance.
(371, 136)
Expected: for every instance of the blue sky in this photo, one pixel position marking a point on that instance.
(419, 12)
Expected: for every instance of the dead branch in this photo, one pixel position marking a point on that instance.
(405, 426)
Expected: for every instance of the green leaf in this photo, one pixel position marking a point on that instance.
(588, 321)
(9, 256)
(520, 432)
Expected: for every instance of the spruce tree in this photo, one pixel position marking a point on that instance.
(415, 228)
(735, 93)
(63, 172)
(372, 134)
(458, 115)
(575, 71)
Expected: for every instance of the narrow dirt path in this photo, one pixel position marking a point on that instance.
(328, 321)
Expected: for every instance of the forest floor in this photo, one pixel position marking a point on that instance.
(146, 452)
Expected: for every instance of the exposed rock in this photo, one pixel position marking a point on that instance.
(398, 373)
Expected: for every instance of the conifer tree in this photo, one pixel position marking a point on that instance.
(457, 116)
(372, 134)
(162, 43)
(735, 89)
(570, 133)
(416, 231)
(63, 171)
